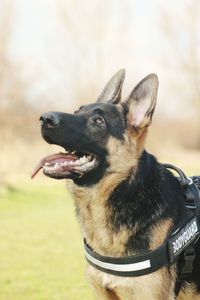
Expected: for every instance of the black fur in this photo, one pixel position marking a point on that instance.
(153, 194)
(115, 120)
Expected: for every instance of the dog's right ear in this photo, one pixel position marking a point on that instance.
(112, 90)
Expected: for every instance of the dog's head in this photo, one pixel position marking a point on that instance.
(100, 138)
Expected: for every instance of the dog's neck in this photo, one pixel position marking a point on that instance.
(111, 213)
(93, 215)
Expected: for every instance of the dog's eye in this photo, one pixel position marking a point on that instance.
(99, 121)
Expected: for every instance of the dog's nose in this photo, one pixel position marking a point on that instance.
(50, 119)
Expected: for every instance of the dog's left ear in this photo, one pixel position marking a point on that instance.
(112, 90)
(142, 101)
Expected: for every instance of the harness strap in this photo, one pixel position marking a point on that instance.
(184, 267)
(136, 265)
(184, 180)
(148, 262)
(179, 247)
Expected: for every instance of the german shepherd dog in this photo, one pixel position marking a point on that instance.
(126, 202)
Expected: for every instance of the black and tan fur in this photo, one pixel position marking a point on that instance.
(128, 204)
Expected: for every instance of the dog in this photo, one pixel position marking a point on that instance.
(126, 202)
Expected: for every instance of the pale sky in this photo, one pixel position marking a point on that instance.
(68, 52)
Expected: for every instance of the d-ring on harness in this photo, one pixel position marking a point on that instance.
(179, 247)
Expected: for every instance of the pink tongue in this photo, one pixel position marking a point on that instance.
(53, 158)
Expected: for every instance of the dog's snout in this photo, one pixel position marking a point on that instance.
(50, 119)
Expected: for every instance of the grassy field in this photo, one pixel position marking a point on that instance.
(41, 256)
(41, 253)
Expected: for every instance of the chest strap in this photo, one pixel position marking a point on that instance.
(148, 262)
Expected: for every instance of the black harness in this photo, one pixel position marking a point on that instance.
(179, 247)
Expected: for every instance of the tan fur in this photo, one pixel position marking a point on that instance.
(91, 201)
(93, 214)
(159, 233)
(127, 151)
(158, 285)
(188, 292)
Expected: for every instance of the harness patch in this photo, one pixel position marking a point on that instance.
(183, 238)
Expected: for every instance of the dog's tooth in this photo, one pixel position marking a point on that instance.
(84, 158)
(47, 168)
(89, 157)
(81, 160)
(77, 162)
(73, 152)
(86, 166)
(57, 166)
(90, 163)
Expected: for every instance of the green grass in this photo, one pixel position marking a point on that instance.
(41, 253)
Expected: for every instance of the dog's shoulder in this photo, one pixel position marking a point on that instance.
(151, 196)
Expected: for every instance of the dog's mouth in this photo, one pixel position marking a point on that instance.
(64, 165)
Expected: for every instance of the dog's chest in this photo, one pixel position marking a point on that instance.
(130, 288)
(94, 216)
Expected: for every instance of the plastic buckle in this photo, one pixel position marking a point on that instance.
(190, 180)
(189, 255)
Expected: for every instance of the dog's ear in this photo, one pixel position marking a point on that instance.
(112, 90)
(142, 101)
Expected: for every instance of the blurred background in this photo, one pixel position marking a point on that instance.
(57, 55)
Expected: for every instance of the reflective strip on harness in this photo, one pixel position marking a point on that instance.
(119, 267)
(148, 262)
